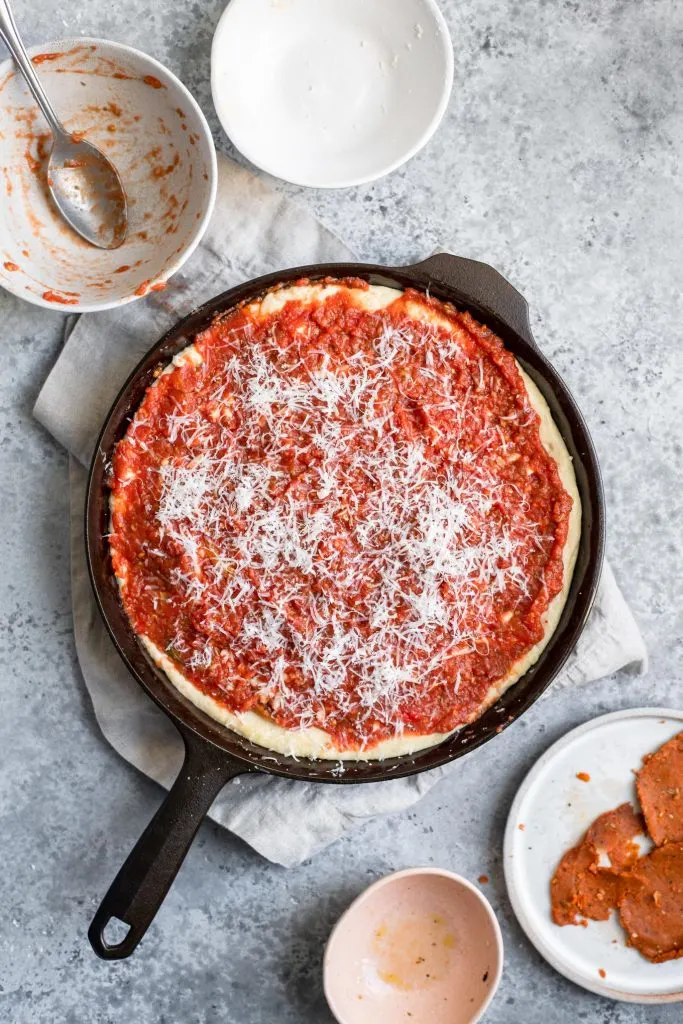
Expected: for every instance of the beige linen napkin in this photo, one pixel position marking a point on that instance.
(254, 230)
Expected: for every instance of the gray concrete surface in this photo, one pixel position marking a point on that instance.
(559, 162)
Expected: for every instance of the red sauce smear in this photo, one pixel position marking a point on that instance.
(8, 265)
(583, 776)
(154, 82)
(37, 162)
(341, 517)
(161, 171)
(51, 296)
(42, 58)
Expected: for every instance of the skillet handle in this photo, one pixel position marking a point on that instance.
(480, 282)
(141, 885)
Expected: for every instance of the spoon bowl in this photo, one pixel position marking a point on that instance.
(87, 191)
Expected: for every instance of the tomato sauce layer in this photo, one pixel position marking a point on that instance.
(341, 517)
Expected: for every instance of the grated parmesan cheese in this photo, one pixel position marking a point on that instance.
(338, 519)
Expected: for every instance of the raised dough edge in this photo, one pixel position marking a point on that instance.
(311, 742)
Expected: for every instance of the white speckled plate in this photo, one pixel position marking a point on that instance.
(331, 93)
(555, 808)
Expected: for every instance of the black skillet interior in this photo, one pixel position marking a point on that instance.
(214, 754)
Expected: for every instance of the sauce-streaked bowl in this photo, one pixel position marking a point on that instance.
(150, 127)
(422, 945)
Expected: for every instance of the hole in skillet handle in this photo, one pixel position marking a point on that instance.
(141, 885)
(481, 283)
(115, 931)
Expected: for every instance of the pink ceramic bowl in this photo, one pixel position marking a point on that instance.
(421, 945)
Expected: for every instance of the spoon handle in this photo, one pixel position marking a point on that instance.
(10, 35)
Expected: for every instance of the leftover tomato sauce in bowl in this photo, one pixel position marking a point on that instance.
(343, 520)
(147, 123)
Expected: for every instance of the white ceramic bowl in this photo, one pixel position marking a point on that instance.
(151, 128)
(331, 93)
(422, 944)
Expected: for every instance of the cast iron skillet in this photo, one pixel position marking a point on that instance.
(214, 754)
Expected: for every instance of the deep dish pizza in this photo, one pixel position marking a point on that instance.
(343, 521)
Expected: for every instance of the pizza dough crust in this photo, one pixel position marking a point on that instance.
(314, 742)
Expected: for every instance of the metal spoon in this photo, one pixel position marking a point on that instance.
(84, 185)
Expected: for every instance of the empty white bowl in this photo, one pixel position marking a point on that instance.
(149, 125)
(419, 945)
(331, 93)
